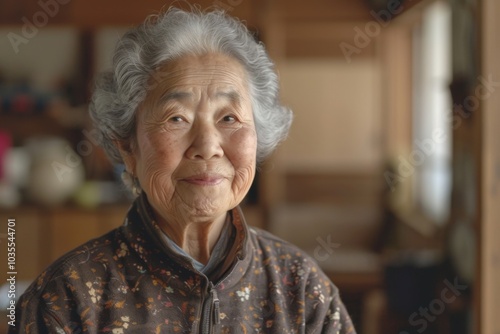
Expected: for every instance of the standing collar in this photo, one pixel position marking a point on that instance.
(146, 238)
(222, 246)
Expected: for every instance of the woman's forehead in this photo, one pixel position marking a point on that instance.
(202, 69)
(227, 93)
(218, 75)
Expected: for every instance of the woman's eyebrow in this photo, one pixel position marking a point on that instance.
(171, 96)
(233, 96)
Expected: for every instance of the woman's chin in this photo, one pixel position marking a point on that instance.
(211, 211)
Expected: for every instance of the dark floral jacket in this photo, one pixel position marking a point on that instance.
(128, 281)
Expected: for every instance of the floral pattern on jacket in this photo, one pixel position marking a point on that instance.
(128, 282)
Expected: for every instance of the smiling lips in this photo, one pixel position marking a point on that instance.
(204, 179)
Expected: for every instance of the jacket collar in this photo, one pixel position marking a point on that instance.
(143, 237)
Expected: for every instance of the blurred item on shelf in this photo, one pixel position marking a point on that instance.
(47, 171)
(23, 99)
(5, 145)
(95, 193)
(9, 194)
(56, 171)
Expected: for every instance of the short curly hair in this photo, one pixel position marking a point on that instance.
(165, 37)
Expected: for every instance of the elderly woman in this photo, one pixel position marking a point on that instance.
(190, 108)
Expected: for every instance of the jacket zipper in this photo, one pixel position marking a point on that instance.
(211, 308)
(211, 311)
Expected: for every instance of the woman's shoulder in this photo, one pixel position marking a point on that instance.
(71, 266)
(270, 242)
(288, 263)
(287, 255)
(267, 238)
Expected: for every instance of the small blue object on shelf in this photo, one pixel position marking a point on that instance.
(21, 99)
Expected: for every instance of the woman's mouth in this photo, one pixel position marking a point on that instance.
(204, 179)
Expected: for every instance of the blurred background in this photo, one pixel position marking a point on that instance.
(389, 179)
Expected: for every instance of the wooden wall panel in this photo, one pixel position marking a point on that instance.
(336, 109)
(489, 301)
(321, 10)
(396, 55)
(93, 13)
(325, 38)
(111, 217)
(69, 229)
(31, 234)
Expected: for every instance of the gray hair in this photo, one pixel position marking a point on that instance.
(166, 37)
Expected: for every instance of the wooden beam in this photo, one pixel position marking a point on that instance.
(92, 13)
(325, 39)
(489, 247)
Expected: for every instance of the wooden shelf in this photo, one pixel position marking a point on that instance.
(22, 126)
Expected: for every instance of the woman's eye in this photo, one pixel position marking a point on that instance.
(229, 119)
(176, 119)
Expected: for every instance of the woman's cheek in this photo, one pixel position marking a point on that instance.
(244, 140)
(243, 148)
(243, 180)
(156, 160)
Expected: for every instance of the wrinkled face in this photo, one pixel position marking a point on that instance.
(195, 147)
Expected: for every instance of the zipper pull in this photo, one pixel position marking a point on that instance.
(216, 307)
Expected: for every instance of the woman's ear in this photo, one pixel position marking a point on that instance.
(127, 153)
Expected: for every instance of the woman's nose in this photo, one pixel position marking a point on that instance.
(206, 143)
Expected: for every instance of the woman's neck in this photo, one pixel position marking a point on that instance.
(196, 238)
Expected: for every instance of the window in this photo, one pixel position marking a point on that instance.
(432, 106)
